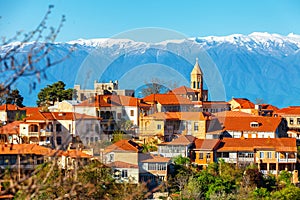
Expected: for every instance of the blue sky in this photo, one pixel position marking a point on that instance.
(106, 18)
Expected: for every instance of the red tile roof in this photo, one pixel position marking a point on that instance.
(289, 111)
(11, 128)
(150, 158)
(77, 154)
(266, 124)
(182, 90)
(194, 116)
(25, 149)
(123, 145)
(181, 140)
(43, 116)
(239, 121)
(249, 144)
(120, 164)
(6, 107)
(269, 107)
(167, 99)
(111, 100)
(244, 103)
(206, 144)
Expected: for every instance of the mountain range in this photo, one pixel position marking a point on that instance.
(256, 66)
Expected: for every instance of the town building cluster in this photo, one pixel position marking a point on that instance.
(179, 122)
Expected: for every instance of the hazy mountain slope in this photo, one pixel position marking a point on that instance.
(259, 65)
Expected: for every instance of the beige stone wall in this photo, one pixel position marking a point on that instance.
(150, 127)
(129, 157)
(201, 133)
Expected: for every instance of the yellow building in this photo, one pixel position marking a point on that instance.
(204, 152)
(168, 124)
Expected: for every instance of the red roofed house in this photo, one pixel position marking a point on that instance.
(204, 152)
(168, 103)
(9, 133)
(292, 116)
(243, 105)
(10, 113)
(271, 155)
(124, 151)
(168, 124)
(179, 146)
(25, 157)
(115, 111)
(58, 129)
(238, 124)
(153, 169)
(127, 161)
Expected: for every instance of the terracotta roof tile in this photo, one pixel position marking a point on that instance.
(179, 115)
(167, 99)
(265, 124)
(77, 154)
(120, 164)
(244, 103)
(11, 128)
(148, 158)
(206, 144)
(182, 90)
(110, 100)
(25, 149)
(249, 144)
(123, 145)
(289, 111)
(181, 140)
(9, 107)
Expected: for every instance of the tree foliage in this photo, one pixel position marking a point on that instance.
(54, 93)
(12, 97)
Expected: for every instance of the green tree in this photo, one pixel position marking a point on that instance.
(54, 93)
(288, 193)
(14, 97)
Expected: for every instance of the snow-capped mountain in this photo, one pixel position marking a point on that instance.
(259, 65)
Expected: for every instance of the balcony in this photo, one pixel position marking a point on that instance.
(287, 160)
(33, 134)
(45, 133)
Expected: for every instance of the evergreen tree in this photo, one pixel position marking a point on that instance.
(53, 93)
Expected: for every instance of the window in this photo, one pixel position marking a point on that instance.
(298, 120)
(87, 140)
(111, 157)
(254, 124)
(196, 126)
(245, 155)
(161, 167)
(119, 115)
(124, 173)
(92, 139)
(70, 127)
(124, 112)
(291, 121)
(131, 112)
(152, 166)
(96, 139)
(269, 154)
(158, 126)
(58, 127)
(208, 155)
(58, 140)
(261, 154)
(200, 156)
(96, 128)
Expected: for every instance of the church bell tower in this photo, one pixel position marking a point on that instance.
(197, 79)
